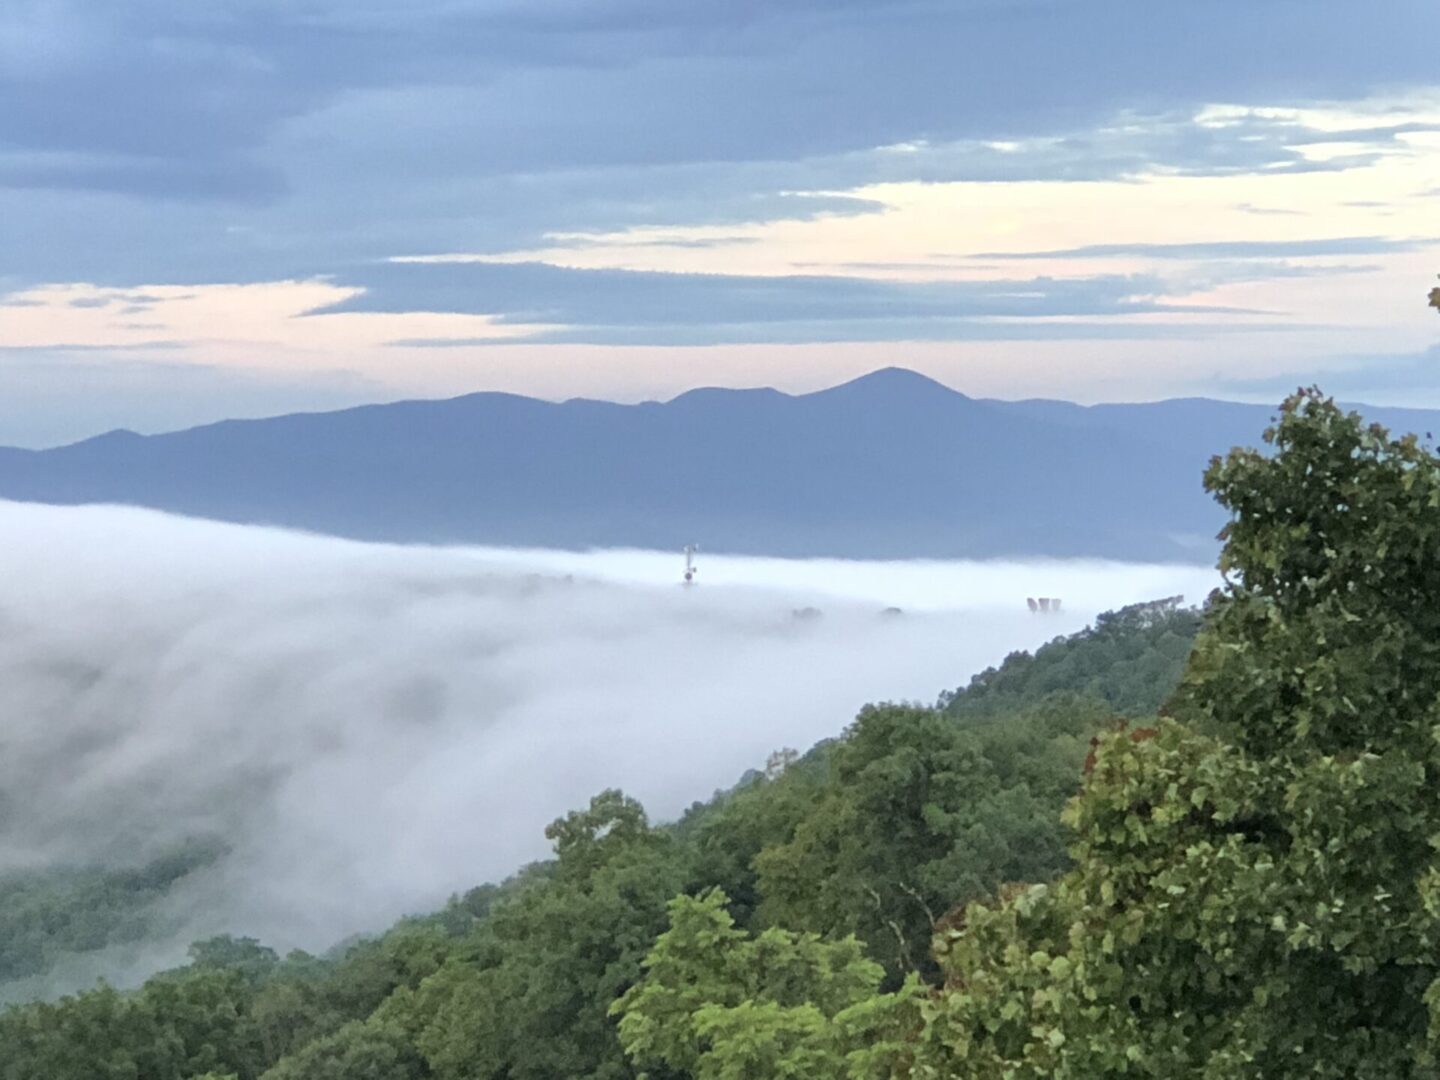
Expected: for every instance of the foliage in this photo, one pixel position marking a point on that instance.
(173, 1029)
(1251, 886)
(233, 1011)
(719, 1004)
(918, 814)
(527, 994)
(1130, 661)
(1261, 899)
(357, 1051)
(46, 915)
(729, 833)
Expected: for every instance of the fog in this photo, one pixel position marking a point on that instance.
(371, 728)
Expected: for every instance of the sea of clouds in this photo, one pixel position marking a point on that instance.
(371, 728)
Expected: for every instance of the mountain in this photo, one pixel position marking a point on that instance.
(891, 465)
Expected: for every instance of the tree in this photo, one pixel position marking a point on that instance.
(763, 811)
(527, 996)
(921, 813)
(179, 1026)
(719, 1004)
(1130, 660)
(357, 1051)
(855, 863)
(1256, 892)
(584, 839)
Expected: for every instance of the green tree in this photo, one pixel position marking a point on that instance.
(49, 914)
(763, 811)
(528, 997)
(719, 1004)
(177, 1027)
(360, 1050)
(1130, 660)
(1256, 894)
(921, 813)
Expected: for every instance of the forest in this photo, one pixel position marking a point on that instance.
(1181, 843)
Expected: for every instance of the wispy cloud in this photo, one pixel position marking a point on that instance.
(61, 347)
(1227, 249)
(653, 307)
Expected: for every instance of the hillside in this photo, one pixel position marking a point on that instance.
(916, 807)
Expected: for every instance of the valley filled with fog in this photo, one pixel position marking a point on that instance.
(362, 730)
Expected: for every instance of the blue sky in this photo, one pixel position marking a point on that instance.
(250, 206)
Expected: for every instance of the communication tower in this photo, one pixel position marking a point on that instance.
(690, 568)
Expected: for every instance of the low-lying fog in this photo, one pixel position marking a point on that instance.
(371, 728)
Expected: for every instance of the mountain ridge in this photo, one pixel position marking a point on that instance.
(892, 464)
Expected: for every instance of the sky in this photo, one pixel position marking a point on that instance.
(246, 207)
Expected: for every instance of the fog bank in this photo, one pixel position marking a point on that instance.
(371, 728)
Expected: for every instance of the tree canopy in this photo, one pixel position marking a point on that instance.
(1255, 893)
(832, 861)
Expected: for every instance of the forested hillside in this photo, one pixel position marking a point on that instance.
(871, 836)
(1130, 660)
(47, 916)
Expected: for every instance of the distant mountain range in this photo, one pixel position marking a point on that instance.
(891, 465)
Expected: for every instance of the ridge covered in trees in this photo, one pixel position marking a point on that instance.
(46, 916)
(1242, 881)
(867, 838)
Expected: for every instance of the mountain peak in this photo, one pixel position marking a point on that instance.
(705, 394)
(893, 382)
(112, 437)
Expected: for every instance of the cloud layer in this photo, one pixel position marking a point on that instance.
(254, 140)
(370, 728)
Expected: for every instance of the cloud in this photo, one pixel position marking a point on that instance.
(627, 305)
(1270, 211)
(370, 728)
(64, 348)
(255, 140)
(580, 242)
(603, 83)
(905, 332)
(1227, 249)
(251, 141)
